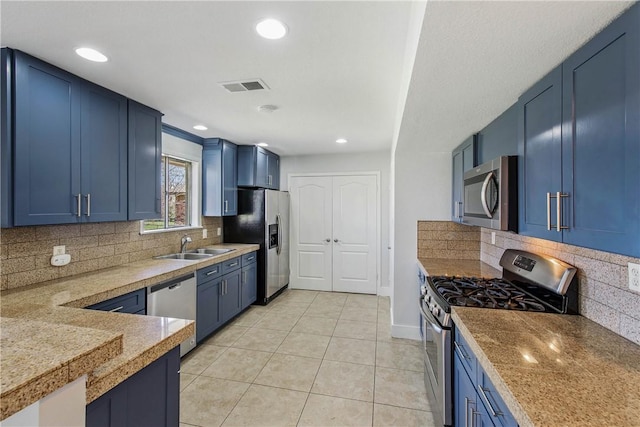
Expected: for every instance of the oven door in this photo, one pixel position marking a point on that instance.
(436, 344)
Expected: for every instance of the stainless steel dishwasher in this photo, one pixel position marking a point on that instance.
(175, 298)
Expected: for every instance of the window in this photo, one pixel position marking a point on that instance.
(180, 186)
(175, 195)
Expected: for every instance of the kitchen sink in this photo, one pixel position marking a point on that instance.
(189, 256)
(211, 251)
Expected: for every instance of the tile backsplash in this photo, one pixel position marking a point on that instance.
(25, 252)
(605, 297)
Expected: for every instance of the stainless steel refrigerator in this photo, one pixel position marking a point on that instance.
(263, 218)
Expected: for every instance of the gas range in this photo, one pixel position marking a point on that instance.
(530, 282)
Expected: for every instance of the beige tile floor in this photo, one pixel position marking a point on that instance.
(306, 359)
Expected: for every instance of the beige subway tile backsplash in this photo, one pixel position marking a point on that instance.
(25, 252)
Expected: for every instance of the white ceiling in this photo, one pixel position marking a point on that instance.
(337, 74)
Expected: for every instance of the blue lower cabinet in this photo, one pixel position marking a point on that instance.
(208, 317)
(476, 402)
(150, 397)
(134, 302)
(249, 285)
(230, 300)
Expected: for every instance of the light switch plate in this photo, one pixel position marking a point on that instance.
(59, 250)
(634, 277)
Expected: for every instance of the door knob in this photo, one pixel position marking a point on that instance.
(327, 240)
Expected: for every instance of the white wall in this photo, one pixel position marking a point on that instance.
(378, 161)
(422, 192)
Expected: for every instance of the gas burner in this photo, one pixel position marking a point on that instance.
(486, 293)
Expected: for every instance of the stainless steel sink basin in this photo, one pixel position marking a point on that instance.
(189, 256)
(211, 251)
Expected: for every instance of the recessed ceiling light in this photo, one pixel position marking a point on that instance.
(91, 54)
(262, 144)
(267, 108)
(341, 141)
(200, 127)
(271, 29)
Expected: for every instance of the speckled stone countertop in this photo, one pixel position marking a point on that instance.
(555, 370)
(552, 370)
(57, 304)
(452, 267)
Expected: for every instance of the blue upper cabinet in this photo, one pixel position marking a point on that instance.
(464, 158)
(103, 154)
(258, 167)
(219, 178)
(540, 154)
(500, 137)
(145, 156)
(579, 141)
(6, 135)
(47, 143)
(601, 139)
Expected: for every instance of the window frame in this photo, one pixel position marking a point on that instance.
(187, 151)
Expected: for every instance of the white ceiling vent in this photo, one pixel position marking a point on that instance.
(245, 85)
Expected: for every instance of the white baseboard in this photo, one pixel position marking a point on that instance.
(406, 332)
(384, 291)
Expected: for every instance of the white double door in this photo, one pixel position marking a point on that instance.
(334, 233)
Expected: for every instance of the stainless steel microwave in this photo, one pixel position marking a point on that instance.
(491, 194)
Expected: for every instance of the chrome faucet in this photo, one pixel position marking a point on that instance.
(183, 243)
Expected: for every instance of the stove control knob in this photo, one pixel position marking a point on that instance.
(436, 312)
(428, 298)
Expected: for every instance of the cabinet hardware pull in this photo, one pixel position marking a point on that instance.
(250, 258)
(88, 196)
(460, 352)
(211, 272)
(79, 205)
(558, 226)
(494, 413)
(336, 240)
(327, 240)
(244, 277)
(226, 205)
(466, 412)
(233, 264)
(116, 309)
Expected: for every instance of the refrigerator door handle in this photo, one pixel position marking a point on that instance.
(278, 222)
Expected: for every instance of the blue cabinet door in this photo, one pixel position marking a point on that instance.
(229, 178)
(262, 168)
(151, 397)
(273, 171)
(500, 137)
(464, 158)
(248, 294)
(219, 178)
(145, 155)
(46, 143)
(601, 139)
(465, 400)
(540, 155)
(208, 317)
(6, 135)
(104, 154)
(230, 299)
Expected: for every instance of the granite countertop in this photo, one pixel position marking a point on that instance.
(453, 267)
(109, 347)
(551, 370)
(554, 369)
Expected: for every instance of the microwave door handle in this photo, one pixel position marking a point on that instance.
(483, 194)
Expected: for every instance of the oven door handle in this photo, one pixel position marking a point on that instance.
(432, 320)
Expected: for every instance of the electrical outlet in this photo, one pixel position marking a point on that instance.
(219, 231)
(634, 277)
(59, 250)
(493, 237)
(204, 233)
